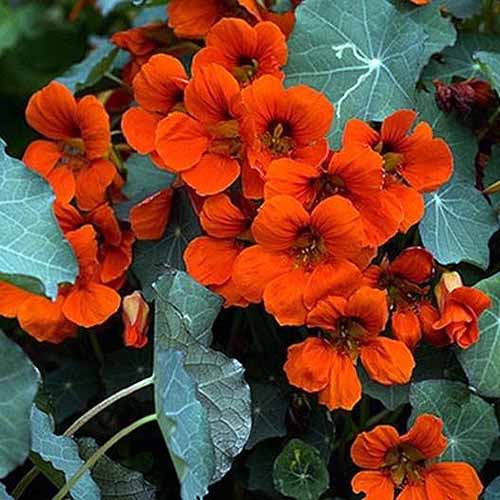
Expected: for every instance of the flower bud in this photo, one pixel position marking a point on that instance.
(448, 282)
(135, 316)
(463, 96)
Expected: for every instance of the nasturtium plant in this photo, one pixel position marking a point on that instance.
(250, 249)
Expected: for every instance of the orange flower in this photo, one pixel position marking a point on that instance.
(210, 259)
(289, 123)
(194, 18)
(207, 145)
(350, 330)
(405, 465)
(404, 279)
(87, 303)
(73, 161)
(115, 246)
(420, 2)
(460, 307)
(356, 174)
(245, 51)
(158, 89)
(414, 163)
(300, 257)
(135, 317)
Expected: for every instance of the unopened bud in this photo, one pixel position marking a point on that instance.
(135, 316)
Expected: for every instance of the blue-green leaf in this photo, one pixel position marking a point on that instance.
(269, 407)
(115, 481)
(481, 362)
(492, 492)
(470, 423)
(19, 381)
(89, 71)
(299, 471)
(31, 242)
(62, 453)
(459, 59)
(185, 312)
(490, 65)
(184, 424)
(365, 56)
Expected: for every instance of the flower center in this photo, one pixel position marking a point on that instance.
(405, 463)
(226, 139)
(277, 138)
(348, 336)
(308, 250)
(73, 154)
(246, 69)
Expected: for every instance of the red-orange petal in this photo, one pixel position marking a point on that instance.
(139, 128)
(44, 320)
(210, 93)
(415, 264)
(283, 297)
(308, 364)
(116, 259)
(150, 217)
(220, 218)
(192, 18)
(180, 141)
(396, 126)
(286, 176)
(91, 305)
(42, 156)
(326, 312)
(160, 84)
(387, 361)
(370, 448)
(93, 121)
(339, 225)
(369, 307)
(210, 260)
(359, 134)
(52, 111)
(255, 267)
(344, 387)
(92, 183)
(412, 204)
(406, 327)
(279, 222)
(456, 480)
(376, 485)
(335, 277)
(11, 297)
(427, 436)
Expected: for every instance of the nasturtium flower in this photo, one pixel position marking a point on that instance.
(158, 89)
(300, 256)
(74, 159)
(289, 123)
(350, 330)
(194, 18)
(87, 303)
(356, 174)
(210, 259)
(207, 144)
(460, 308)
(247, 52)
(414, 163)
(115, 245)
(405, 467)
(406, 280)
(135, 317)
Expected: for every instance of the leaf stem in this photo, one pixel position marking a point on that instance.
(32, 474)
(100, 453)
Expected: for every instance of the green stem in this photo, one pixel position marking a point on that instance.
(32, 474)
(117, 80)
(100, 453)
